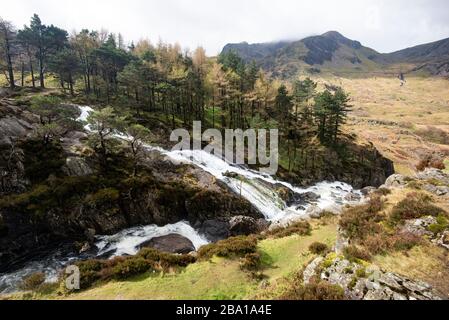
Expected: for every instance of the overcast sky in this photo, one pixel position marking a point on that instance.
(384, 25)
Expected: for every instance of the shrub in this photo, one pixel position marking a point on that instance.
(131, 267)
(414, 206)
(382, 192)
(33, 282)
(42, 161)
(355, 254)
(301, 228)
(361, 221)
(405, 241)
(321, 290)
(166, 260)
(377, 244)
(229, 248)
(250, 262)
(103, 196)
(122, 268)
(430, 161)
(318, 248)
(441, 225)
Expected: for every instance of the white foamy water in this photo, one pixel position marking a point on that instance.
(255, 187)
(261, 195)
(128, 241)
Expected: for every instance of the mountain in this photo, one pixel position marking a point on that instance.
(333, 52)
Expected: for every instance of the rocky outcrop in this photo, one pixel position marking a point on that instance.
(165, 195)
(241, 225)
(367, 283)
(172, 243)
(434, 174)
(395, 181)
(77, 166)
(214, 229)
(419, 227)
(222, 228)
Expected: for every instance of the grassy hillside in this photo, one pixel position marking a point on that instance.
(404, 123)
(219, 278)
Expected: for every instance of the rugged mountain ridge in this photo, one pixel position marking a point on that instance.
(333, 52)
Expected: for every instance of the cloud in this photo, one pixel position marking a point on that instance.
(381, 24)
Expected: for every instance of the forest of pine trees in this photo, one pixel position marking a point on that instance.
(182, 86)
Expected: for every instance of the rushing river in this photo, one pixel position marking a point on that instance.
(257, 188)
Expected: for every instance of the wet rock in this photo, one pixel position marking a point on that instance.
(314, 212)
(232, 175)
(368, 190)
(215, 229)
(241, 225)
(76, 166)
(85, 248)
(352, 197)
(172, 243)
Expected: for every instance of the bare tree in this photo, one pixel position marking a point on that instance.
(7, 36)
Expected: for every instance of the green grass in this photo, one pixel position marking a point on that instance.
(216, 279)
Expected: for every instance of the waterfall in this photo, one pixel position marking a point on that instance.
(257, 188)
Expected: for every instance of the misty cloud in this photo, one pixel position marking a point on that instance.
(383, 25)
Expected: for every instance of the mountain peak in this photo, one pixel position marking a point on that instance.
(334, 35)
(338, 37)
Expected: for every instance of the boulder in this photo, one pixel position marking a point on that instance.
(76, 166)
(215, 229)
(241, 225)
(443, 240)
(172, 243)
(374, 284)
(434, 174)
(11, 127)
(300, 199)
(437, 190)
(419, 227)
(396, 180)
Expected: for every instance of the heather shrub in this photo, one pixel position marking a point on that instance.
(229, 248)
(166, 260)
(33, 282)
(321, 290)
(382, 192)
(355, 254)
(405, 241)
(361, 221)
(430, 161)
(441, 225)
(250, 262)
(318, 248)
(301, 228)
(122, 268)
(131, 267)
(414, 206)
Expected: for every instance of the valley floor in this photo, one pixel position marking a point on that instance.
(404, 123)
